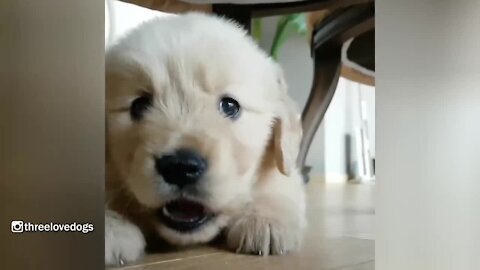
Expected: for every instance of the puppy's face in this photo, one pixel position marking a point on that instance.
(191, 104)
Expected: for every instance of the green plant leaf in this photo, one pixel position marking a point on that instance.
(280, 37)
(257, 29)
(299, 21)
(286, 27)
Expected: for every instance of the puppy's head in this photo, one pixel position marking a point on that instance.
(192, 107)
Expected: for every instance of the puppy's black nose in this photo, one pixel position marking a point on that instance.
(184, 167)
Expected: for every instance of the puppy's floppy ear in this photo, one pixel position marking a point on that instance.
(287, 130)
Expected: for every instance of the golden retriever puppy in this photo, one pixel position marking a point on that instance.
(202, 139)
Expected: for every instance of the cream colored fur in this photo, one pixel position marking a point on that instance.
(188, 63)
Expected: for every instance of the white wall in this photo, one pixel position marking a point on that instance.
(342, 119)
(428, 81)
(336, 128)
(125, 16)
(355, 91)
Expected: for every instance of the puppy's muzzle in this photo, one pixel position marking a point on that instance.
(183, 167)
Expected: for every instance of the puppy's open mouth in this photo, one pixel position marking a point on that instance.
(184, 215)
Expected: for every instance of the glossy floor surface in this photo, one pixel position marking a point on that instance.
(340, 237)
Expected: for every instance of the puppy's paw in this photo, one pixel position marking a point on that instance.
(124, 242)
(256, 234)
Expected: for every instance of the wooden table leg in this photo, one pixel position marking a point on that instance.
(327, 42)
(326, 75)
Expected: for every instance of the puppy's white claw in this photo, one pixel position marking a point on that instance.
(252, 234)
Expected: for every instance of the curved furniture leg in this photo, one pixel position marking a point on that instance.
(327, 42)
(326, 75)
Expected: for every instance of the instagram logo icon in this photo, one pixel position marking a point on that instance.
(17, 226)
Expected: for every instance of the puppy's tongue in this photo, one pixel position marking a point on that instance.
(183, 210)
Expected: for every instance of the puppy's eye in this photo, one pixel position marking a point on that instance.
(139, 106)
(230, 107)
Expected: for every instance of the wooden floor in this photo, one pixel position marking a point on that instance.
(340, 237)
